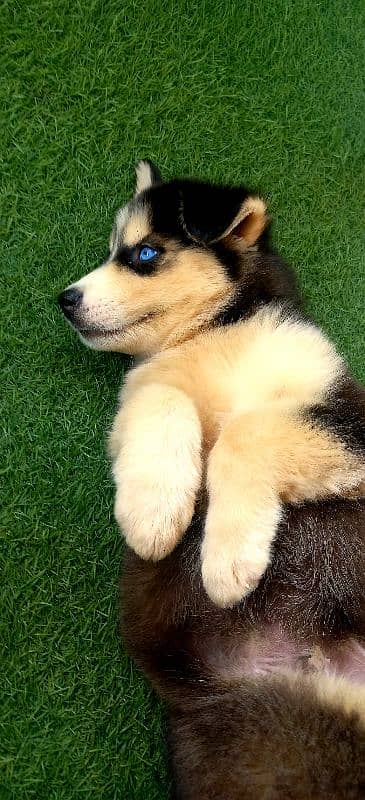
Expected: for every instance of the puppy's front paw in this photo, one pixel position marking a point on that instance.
(235, 553)
(152, 517)
(231, 574)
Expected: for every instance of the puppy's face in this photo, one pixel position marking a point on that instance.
(176, 252)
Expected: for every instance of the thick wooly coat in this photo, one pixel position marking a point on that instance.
(238, 455)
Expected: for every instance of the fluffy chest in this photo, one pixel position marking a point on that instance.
(269, 360)
(266, 362)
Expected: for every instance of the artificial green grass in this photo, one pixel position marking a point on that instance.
(271, 93)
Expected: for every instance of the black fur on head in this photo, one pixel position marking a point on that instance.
(202, 212)
(207, 211)
(233, 223)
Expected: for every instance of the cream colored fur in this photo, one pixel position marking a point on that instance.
(143, 176)
(340, 694)
(156, 441)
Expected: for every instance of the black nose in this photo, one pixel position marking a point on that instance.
(69, 300)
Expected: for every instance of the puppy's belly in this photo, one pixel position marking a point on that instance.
(271, 651)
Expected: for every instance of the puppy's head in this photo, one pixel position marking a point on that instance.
(177, 251)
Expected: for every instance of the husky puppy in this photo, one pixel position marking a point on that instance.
(237, 390)
(241, 427)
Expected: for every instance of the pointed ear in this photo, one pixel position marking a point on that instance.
(250, 221)
(210, 213)
(146, 175)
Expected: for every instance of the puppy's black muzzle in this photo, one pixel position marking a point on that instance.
(69, 301)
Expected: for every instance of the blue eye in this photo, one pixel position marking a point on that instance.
(147, 253)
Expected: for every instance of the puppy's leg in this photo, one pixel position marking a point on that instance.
(156, 439)
(259, 461)
(243, 513)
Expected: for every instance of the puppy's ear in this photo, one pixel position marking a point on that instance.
(146, 175)
(250, 221)
(211, 213)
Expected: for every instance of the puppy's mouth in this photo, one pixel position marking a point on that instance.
(98, 332)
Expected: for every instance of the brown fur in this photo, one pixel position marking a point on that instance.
(286, 730)
(228, 747)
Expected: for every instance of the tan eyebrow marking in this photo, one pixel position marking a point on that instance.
(137, 227)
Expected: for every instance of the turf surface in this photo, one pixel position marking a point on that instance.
(268, 92)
